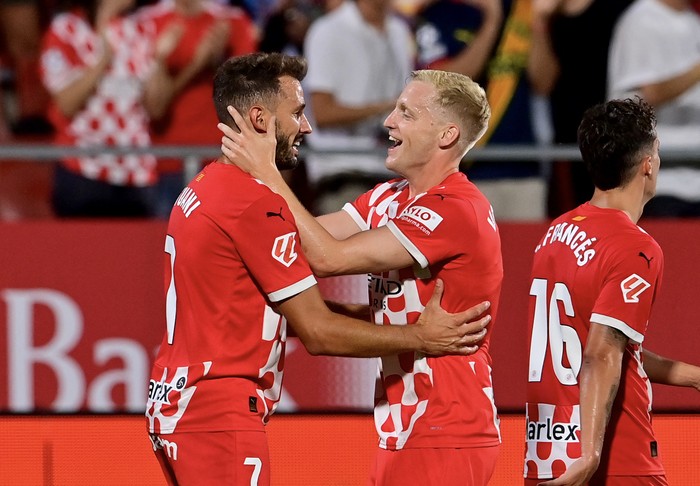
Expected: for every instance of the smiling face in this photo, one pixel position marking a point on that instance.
(291, 124)
(415, 127)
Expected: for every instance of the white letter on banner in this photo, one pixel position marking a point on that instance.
(132, 376)
(22, 356)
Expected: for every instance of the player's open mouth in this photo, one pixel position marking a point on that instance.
(295, 147)
(396, 142)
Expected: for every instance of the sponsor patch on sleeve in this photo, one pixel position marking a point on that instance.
(424, 218)
(283, 249)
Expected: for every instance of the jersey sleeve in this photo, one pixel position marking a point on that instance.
(629, 290)
(359, 211)
(436, 228)
(268, 242)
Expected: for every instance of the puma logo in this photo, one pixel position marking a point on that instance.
(641, 254)
(270, 214)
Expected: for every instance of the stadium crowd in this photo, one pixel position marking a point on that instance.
(537, 60)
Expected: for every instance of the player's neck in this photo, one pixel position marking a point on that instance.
(425, 180)
(625, 201)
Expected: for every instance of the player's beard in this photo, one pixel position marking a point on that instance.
(284, 155)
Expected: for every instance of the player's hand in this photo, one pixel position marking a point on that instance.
(445, 333)
(250, 149)
(578, 474)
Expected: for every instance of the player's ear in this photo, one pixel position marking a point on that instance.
(647, 166)
(449, 136)
(258, 118)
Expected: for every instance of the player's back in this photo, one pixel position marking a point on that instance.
(593, 264)
(229, 252)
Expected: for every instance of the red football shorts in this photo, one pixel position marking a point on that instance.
(231, 457)
(617, 481)
(445, 467)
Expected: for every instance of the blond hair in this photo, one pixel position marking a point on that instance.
(458, 95)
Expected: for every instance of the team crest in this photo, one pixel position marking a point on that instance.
(283, 249)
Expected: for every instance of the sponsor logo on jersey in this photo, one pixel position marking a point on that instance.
(168, 446)
(549, 431)
(632, 287)
(272, 214)
(283, 249)
(423, 218)
(158, 391)
(646, 258)
(380, 288)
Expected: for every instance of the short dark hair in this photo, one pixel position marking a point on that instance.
(611, 138)
(243, 81)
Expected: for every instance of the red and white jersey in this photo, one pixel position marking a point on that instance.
(592, 265)
(191, 115)
(451, 233)
(114, 114)
(232, 251)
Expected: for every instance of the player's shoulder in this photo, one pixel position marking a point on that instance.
(226, 184)
(459, 192)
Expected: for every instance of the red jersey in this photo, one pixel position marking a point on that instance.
(114, 114)
(231, 252)
(593, 264)
(192, 115)
(451, 233)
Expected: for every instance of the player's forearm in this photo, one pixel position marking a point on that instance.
(344, 336)
(356, 311)
(321, 249)
(670, 372)
(599, 382)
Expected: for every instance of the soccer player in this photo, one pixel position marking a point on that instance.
(595, 276)
(234, 273)
(435, 417)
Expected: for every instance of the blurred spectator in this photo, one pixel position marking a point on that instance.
(192, 38)
(360, 55)
(95, 61)
(5, 134)
(568, 64)
(655, 53)
(21, 30)
(286, 27)
(472, 38)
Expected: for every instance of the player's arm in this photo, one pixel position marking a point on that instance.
(365, 251)
(362, 312)
(668, 371)
(436, 332)
(598, 382)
